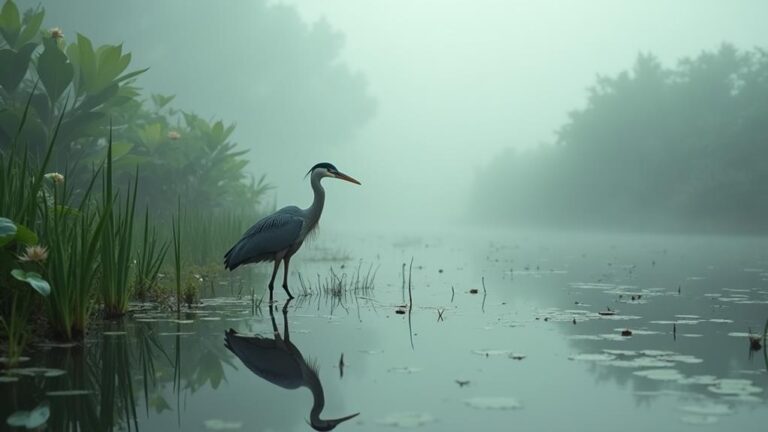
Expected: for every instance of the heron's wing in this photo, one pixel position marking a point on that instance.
(271, 234)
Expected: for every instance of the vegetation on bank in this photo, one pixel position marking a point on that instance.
(91, 177)
(655, 148)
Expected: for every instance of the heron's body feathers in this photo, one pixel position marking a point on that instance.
(278, 233)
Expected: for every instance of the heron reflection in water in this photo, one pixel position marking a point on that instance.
(281, 363)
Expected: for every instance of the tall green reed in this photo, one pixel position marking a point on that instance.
(149, 259)
(116, 242)
(176, 231)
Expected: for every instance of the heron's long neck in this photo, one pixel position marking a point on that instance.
(316, 209)
(318, 397)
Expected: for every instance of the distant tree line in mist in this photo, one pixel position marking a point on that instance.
(657, 148)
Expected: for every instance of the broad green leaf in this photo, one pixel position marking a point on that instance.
(110, 65)
(31, 29)
(25, 235)
(14, 65)
(10, 22)
(54, 69)
(100, 98)
(87, 62)
(33, 279)
(8, 231)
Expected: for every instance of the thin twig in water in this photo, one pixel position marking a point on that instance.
(485, 293)
(453, 293)
(410, 290)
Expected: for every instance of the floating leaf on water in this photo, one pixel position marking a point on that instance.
(8, 379)
(176, 333)
(406, 420)
(6, 360)
(735, 387)
(691, 335)
(68, 393)
(660, 374)
(687, 316)
(57, 344)
(700, 379)
(592, 357)
(639, 362)
(739, 334)
(210, 318)
(220, 425)
(656, 353)
(493, 403)
(620, 352)
(514, 356)
(699, 419)
(30, 419)
(371, 352)
(180, 321)
(113, 333)
(38, 371)
(585, 337)
(709, 408)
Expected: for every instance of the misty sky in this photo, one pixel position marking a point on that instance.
(457, 81)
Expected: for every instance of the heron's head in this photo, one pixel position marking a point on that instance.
(325, 169)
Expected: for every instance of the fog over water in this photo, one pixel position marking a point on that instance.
(447, 85)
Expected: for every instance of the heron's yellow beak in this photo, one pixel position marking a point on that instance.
(343, 176)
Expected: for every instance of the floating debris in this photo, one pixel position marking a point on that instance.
(113, 333)
(8, 379)
(221, 425)
(6, 360)
(493, 403)
(462, 383)
(626, 332)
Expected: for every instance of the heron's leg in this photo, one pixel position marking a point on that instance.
(274, 324)
(287, 336)
(287, 261)
(272, 281)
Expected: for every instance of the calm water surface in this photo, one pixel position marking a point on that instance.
(530, 351)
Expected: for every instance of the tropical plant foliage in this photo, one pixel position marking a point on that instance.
(93, 87)
(679, 148)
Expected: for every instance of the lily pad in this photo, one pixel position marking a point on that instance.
(661, 374)
(69, 393)
(221, 425)
(30, 419)
(493, 403)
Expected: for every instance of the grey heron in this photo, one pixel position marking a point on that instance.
(280, 235)
(281, 363)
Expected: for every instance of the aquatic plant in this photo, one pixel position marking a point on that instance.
(176, 231)
(339, 285)
(116, 242)
(149, 259)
